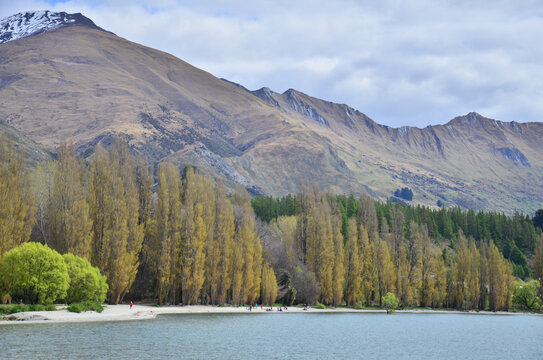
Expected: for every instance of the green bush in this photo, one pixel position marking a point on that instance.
(390, 302)
(86, 306)
(75, 307)
(34, 273)
(12, 309)
(86, 282)
(318, 305)
(36, 307)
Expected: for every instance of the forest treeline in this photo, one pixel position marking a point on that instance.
(181, 240)
(515, 236)
(174, 235)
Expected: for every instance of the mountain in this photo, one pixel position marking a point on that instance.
(36, 22)
(83, 84)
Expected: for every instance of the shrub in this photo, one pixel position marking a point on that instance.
(318, 305)
(75, 307)
(35, 273)
(12, 309)
(86, 282)
(390, 302)
(86, 306)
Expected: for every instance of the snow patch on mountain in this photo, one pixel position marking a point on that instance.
(36, 22)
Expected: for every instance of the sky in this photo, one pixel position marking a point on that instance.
(402, 63)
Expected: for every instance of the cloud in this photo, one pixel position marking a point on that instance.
(402, 63)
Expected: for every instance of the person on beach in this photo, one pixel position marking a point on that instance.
(131, 304)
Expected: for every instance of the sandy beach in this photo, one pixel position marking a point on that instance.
(146, 312)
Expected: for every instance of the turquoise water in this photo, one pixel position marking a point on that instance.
(283, 336)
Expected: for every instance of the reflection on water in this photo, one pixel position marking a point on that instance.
(283, 336)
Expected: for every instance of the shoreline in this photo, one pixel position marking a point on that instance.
(147, 312)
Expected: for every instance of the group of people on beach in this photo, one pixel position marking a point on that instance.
(255, 306)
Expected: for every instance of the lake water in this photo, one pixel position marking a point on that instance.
(283, 336)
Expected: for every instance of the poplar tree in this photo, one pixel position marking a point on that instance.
(367, 258)
(167, 245)
(385, 277)
(114, 211)
(353, 266)
(16, 198)
(538, 259)
(269, 285)
(220, 271)
(194, 258)
(69, 212)
(338, 279)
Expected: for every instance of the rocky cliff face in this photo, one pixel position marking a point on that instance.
(97, 85)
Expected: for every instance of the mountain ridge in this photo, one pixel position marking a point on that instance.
(98, 85)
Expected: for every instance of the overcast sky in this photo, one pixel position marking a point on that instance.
(400, 62)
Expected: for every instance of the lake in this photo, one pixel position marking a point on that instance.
(283, 336)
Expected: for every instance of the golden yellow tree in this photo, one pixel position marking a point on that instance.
(385, 277)
(222, 253)
(338, 276)
(69, 211)
(353, 266)
(167, 240)
(114, 202)
(269, 285)
(16, 198)
(367, 257)
(538, 259)
(194, 258)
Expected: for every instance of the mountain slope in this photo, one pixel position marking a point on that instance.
(84, 84)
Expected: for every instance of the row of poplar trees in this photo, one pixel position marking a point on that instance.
(180, 240)
(371, 259)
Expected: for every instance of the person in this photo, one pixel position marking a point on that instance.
(131, 304)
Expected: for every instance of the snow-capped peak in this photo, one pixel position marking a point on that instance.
(36, 22)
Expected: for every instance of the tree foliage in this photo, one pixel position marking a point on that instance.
(86, 282)
(525, 294)
(34, 273)
(390, 302)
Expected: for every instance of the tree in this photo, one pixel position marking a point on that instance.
(526, 294)
(538, 219)
(220, 270)
(69, 217)
(384, 270)
(34, 273)
(114, 203)
(16, 198)
(390, 302)
(538, 259)
(306, 285)
(86, 282)
(353, 266)
(166, 245)
(269, 285)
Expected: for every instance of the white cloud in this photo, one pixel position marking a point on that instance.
(401, 63)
